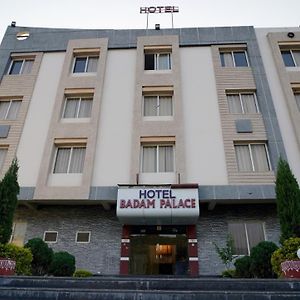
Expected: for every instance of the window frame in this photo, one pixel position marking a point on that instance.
(23, 60)
(71, 147)
(158, 145)
(156, 60)
(292, 56)
(86, 63)
(297, 92)
(240, 143)
(233, 58)
(241, 102)
(82, 231)
(80, 98)
(158, 96)
(9, 106)
(50, 231)
(247, 234)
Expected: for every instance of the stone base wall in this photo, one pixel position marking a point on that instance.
(213, 228)
(101, 255)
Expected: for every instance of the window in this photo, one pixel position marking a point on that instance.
(18, 233)
(77, 107)
(85, 64)
(50, 236)
(3, 152)
(252, 157)
(83, 236)
(242, 103)
(291, 58)
(234, 59)
(246, 236)
(9, 109)
(158, 106)
(157, 158)
(297, 98)
(69, 159)
(157, 61)
(20, 66)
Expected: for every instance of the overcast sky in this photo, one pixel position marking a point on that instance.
(125, 13)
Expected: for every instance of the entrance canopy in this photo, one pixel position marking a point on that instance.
(158, 205)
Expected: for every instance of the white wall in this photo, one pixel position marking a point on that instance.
(32, 142)
(281, 108)
(113, 152)
(205, 156)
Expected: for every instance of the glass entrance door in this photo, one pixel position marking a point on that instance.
(158, 254)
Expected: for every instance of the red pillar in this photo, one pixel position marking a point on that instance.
(125, 248)
(193, 250)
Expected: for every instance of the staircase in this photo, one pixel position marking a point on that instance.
(146, 288)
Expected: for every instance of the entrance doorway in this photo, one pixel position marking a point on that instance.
(158, 254)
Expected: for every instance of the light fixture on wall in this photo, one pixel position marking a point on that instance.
(291, 35)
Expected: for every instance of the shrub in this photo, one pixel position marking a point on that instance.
(226, 253)
(242, 267)
(63, 264)
(42, 256)
(287, 252)
(82, 273)
(261, 260)
(22, 256)
(229, 273)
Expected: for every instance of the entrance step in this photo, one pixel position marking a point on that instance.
(146, 288)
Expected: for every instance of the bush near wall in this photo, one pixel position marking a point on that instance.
(63, 264)
(82, 273)
(242, 267)
(287, 252)
(22, 256)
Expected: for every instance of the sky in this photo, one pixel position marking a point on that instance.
(116, 14)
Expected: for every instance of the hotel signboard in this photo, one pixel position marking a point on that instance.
(159, 9)
(158, 205)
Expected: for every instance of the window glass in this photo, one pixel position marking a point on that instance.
(149, 159)
(71, 108)
(13, 110)
(150, 106)
(62, 160)
(165, 106)
(260, 159)
(85, 108)
(255, 234)
(226, 59)
(79, 66)
(296, 54)
(163, 61)
(27, 66)
(166, 159)
(16, 67)
(297, 97)
(234, 104)
(287, 59)
(92, 64)
(77, 160)
(249, 104)
(238, 233)
(240, 59)
(4, 105)
(3, 152)
(243, 158)
(149, 61)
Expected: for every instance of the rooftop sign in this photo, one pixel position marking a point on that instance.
(159, 9)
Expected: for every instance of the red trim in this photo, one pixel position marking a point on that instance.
(193, 250)
(194, 268)
(191, 232)
(124, 267)
(125, 250)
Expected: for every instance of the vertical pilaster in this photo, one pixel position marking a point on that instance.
(125, 250)
(193, 250)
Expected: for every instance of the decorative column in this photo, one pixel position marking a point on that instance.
(193, 250)
(125, 248)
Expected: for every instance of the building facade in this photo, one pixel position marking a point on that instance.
(140, 149)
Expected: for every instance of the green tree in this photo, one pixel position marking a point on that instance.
(288, 200)
(9, 190)
(226, 253)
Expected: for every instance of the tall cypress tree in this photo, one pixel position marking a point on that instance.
(288, 200)
(9, 190)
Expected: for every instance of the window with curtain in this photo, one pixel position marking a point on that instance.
(85, 64)
(252, 157)
(234, 59)
(291, 58)
(9, 109)
(78, 107)
(157, 61)
(297, 98)
(20, 66)
(69, 159)
(242, 103)
(158, 159)
(246, 236)
(158, 106)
